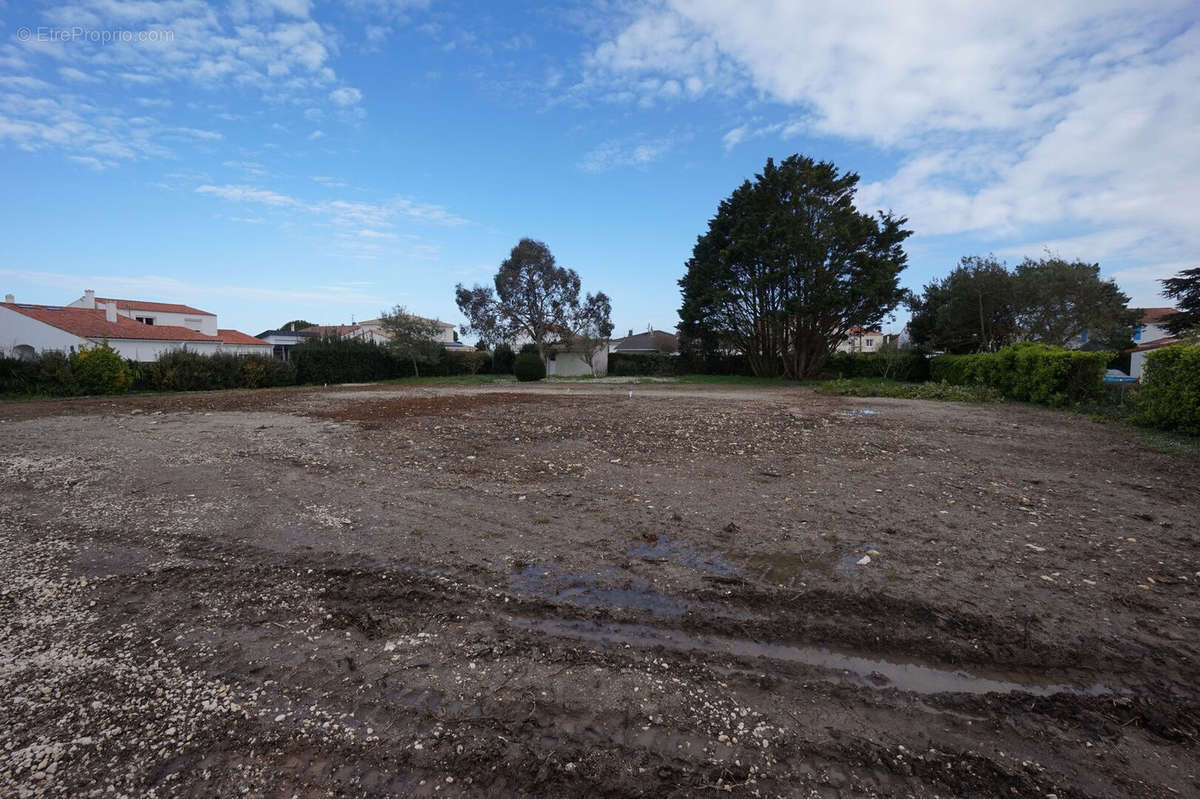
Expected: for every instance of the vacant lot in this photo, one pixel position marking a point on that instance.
(574, 591)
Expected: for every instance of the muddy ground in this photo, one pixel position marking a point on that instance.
(574, 591)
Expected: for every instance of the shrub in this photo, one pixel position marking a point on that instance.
(1169, 398)
(1028, 372)
(529, 367)
(643, 364)
(100, 370)
(909, 366)
(875, 387)
(340, 360)
(528, 348)
(502, 360)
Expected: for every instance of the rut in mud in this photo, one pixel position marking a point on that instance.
(552, 592)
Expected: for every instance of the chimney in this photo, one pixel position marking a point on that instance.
(631, 332)
(9, 298)
(110, 311)
(89, 298)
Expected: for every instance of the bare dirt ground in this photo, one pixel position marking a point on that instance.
(571, 591)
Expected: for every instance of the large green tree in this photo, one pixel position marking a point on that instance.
(1184, 289)
(788, 266)
(535, 298)
(411, 337)
(1058, 300)
(982, 306)
(970, 310)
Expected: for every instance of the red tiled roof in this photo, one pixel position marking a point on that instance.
(238, 337)
(161, 307)
(1151, 316)
(858, 331)
(90, 323)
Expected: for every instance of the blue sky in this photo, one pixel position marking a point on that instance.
(273, 159)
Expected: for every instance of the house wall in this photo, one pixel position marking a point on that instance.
(574, 364)
(202, 324)
(17, 329)
(1137, 362)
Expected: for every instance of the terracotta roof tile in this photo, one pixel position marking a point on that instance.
(238, 337)
(1152, 316)
(90, 323)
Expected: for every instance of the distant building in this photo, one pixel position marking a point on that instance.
(138, 330)
(860, 339)
(1150, 327)
(651, 341)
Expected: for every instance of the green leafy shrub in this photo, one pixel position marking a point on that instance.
(100, 370)
(55, 375)
(1028, 372)
(502, 360)
(868, 387)
(342, 360)
(1169, 398)
(643, 364)
(528, 348)
(910, 366)
(529, 367)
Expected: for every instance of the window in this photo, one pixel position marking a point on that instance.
(870, 342)
(1137, 333)
(145, 320)
(193, 324)
(1083, 337)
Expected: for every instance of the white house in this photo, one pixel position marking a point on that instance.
(1137, 355)
(372, 330)
(861, 340)
(140, 331)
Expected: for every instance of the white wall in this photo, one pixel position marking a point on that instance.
(574, 364)
(17, 329)
(198, 322)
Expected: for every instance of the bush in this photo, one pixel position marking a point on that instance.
(1169, 398)
(528, 348)
(180, 370)
(100, 370)
(502, 360)
(529, 367)
(55, 375)
(876, 387)
(341, 360)
(643, 364)
(1028, 372)
(912, 367)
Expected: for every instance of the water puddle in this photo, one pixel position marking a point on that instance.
(614, 589)
(871, 672)
(682, 553)
(861, 412)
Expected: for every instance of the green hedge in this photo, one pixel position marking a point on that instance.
(911, 367)
(528, 367)
(643, 364)
(1028, 372)
(180, 370)
(1169, 398)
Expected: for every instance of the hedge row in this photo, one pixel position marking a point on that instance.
(342, 360)
(643, 364)
(1028, 372)
(1169, 398)
(910, 367)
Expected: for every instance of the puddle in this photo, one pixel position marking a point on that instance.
(861, 412)
(684, 554)
(871, 672)
(594, 590)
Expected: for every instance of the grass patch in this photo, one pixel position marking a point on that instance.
(875, 387)
(739, 380)
(456, 380)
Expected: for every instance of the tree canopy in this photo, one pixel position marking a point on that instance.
(296, 324)
(1184, 289)
(788, 266)
(982, 306)
(411, 337)
(534, 297)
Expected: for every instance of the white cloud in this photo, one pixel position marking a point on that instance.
(626, 153)
(346, 96)
(316, 134)
(1005, 120)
